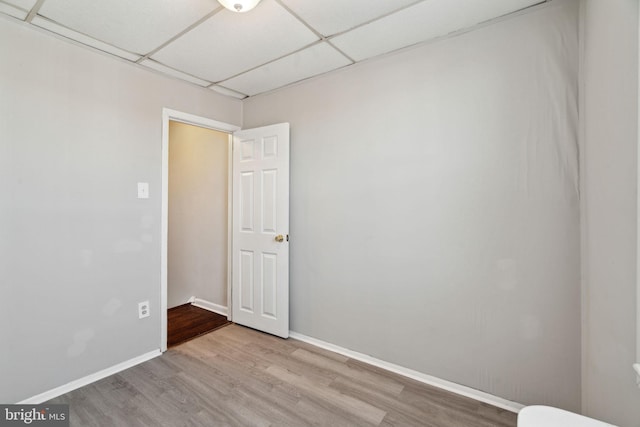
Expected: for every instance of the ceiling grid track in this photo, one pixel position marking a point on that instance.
(317, 42)
(207, 82)
(302, 21)
(34, 11)
(180, 34)
(322, 37)
(363, 24)
(44, 19)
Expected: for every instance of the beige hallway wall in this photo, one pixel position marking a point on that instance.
(198, 187)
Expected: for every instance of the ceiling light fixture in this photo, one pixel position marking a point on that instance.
(239, 5)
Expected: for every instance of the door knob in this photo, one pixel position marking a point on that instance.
(280, 238)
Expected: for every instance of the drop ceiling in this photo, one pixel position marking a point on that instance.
(276, 44)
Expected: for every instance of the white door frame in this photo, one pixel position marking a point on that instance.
(203, 122)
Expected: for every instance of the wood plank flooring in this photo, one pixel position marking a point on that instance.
(187, 321)
(236, 376)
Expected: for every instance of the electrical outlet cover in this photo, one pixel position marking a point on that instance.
(143, 309)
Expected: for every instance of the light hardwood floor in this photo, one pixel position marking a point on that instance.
(236, 376)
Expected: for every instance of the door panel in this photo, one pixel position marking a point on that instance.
(246, 281)
(269, 201)
(269, 285)
(261, 214)
(246, 201)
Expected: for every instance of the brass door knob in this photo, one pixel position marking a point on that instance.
(280, 238)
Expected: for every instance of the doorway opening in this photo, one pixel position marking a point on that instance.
(196, 224)
(197, 236)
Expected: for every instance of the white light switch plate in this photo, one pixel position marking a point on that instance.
(143, 190)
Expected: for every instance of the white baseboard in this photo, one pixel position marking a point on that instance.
(415, 375)
(208, 305)
(58, 391)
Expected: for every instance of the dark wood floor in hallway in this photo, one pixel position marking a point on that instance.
(236, 376)
(187, 321)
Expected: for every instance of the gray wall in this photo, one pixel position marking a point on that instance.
(198, 187)
(609, 210)
(434, 207)
(78, 250)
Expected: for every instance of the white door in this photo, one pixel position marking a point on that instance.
(260, 290)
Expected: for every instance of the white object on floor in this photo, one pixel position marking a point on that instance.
(546, 416)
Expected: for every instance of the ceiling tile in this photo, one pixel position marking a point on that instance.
(229, 43)
(70, 34)
(424, 21)
(334, 16)
(306, 63)
(135, 25)
(22, 4)
(13, 11)
(174, 73)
